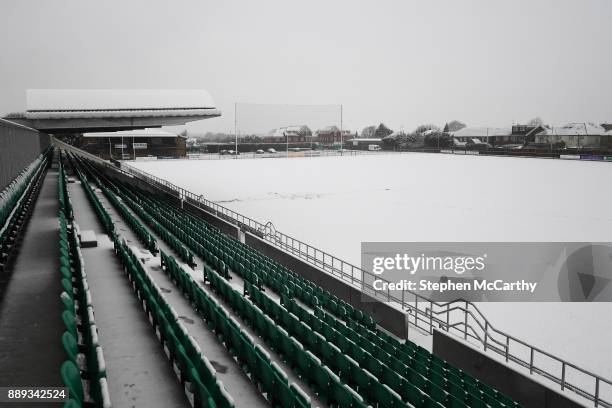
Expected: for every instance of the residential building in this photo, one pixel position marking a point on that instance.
(290, 134)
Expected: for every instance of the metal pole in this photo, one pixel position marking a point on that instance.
(110, 155)
(341, 132)
(236, 127)
(465, 321)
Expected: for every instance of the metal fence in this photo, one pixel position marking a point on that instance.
(459, 317)
(278, 154)
(19, 146)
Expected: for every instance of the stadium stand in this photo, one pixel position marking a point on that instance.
(336, 349)
(16, 205)
(296, 344)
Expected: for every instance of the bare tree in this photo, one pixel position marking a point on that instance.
(424, 128)
(368, 132)
(454, 125)
(537, 121)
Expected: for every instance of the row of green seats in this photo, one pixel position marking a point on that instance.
(64, 196)
(169, 238)
(100, 211)
(141, 232)
(10, 195)
(84, 357)
(133, 203)
(314, 295)
(196, 372)
(266, 375)
(135, 225)
(16, 205)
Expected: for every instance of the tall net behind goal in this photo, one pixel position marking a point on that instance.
(288, 129)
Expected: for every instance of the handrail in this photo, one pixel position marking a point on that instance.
(427, 314)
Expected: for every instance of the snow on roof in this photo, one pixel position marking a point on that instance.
(117, 99)
(482, 132)
(150, 132)
(573, 129)
(290, 130)
(430, 132)
(327, 129)
(364, 140)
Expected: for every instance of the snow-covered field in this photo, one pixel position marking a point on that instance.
(335, 203)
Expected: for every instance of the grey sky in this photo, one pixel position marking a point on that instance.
(404, 62)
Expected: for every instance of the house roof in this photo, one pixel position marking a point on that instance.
(482, 132)
(573, 129)
(140, 133)
(291, 130)
(364, 140)
(327, 129)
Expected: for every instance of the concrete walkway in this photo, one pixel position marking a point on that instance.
(30, 323)
(138, 372)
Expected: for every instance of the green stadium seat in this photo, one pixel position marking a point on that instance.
(301, 400)
(72, 379)
(70, 346)
(202, 397)
(364, 381)
(72, 403)
(322, 378)
(70, 322)
(68, 302)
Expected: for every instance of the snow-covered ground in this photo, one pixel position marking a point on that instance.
(335, 203)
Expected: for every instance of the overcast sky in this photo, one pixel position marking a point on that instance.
(487, 63)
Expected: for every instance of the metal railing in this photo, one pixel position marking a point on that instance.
(460, 317)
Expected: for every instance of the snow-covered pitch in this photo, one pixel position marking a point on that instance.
(335, 203)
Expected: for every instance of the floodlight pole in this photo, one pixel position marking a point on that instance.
(236, 127)
(341, 132)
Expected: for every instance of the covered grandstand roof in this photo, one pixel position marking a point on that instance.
(117, 103)
(139, 133)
